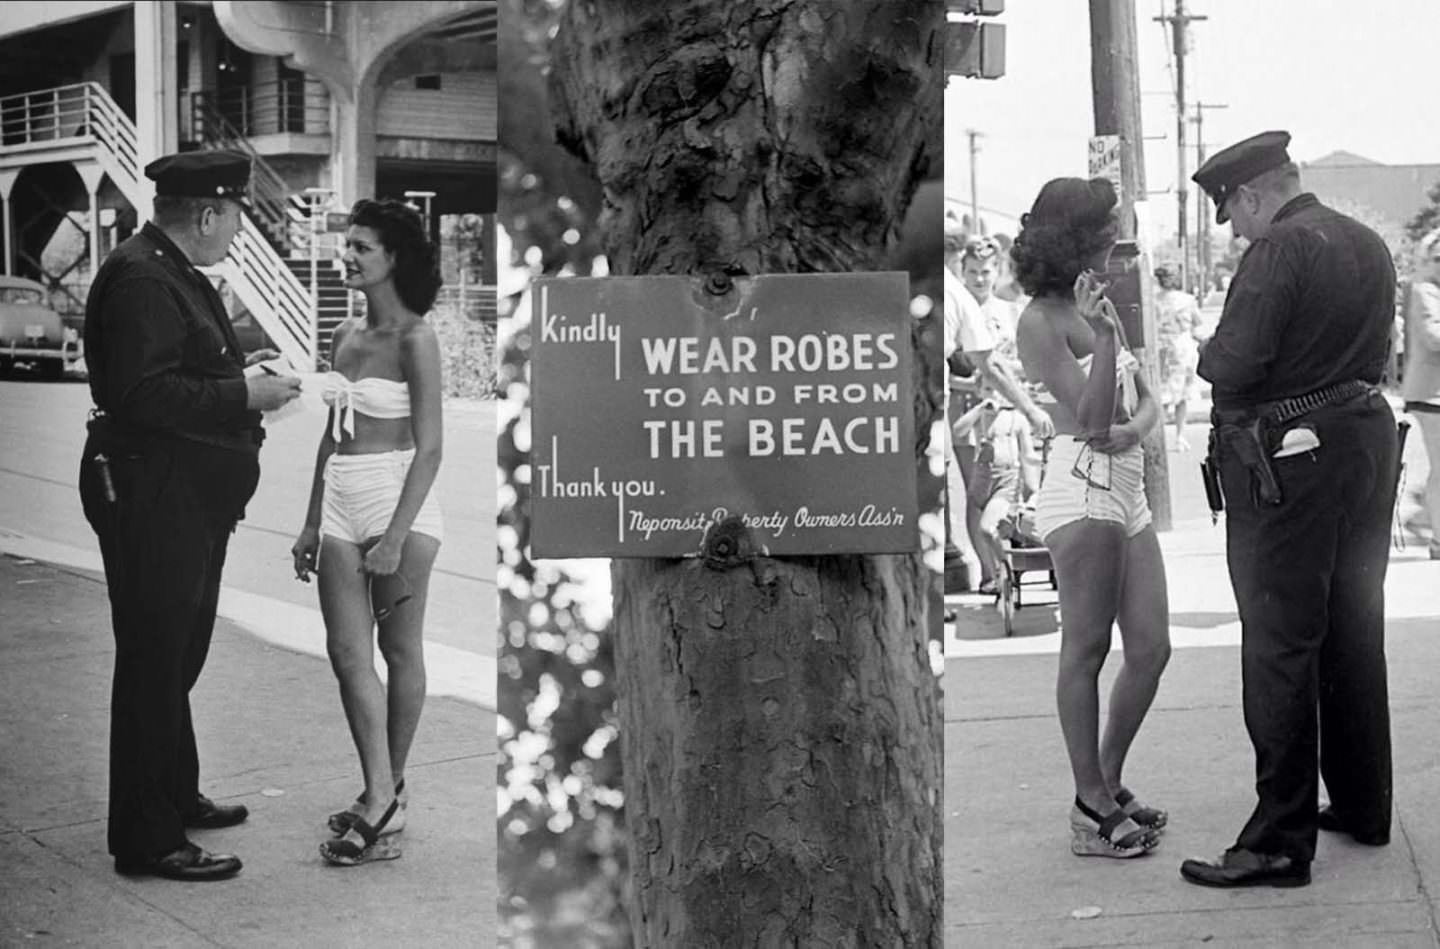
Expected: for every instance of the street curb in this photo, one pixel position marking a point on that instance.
(452, 672)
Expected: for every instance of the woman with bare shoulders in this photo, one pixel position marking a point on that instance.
(1091, 509)
(373, 527)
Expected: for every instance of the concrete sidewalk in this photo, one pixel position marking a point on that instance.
(1009, 875)
(272, 736)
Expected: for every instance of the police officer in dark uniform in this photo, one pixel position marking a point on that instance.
(1307, 452)
(170, 462)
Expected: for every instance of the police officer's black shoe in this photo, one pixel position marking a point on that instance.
(186, 863)
(1240, 867)
(1329, 820)
(208, 815)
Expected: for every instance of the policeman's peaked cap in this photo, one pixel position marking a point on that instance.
(217, 174)
(1228, 169)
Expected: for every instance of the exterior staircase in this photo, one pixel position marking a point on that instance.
(333, 301)
(282, 215)
(80, 123)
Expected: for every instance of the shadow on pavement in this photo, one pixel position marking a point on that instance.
(272, 736)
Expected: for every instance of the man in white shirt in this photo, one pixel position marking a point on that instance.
(968, 334)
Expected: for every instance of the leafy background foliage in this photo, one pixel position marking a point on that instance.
(561, 828)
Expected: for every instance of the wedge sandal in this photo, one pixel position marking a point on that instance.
(373, 844)
(1149, 818)
(1094, 836)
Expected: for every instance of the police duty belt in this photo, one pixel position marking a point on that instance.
(1246, 432)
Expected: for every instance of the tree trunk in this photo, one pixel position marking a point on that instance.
(780, 723)
(1115, 96)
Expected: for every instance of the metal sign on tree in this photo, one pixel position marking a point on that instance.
(662, 407)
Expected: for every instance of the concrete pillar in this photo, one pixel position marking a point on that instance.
(156, 93)
(7, 185)
(92, 175)
(353, 146)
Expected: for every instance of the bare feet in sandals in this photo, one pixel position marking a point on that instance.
(366, 840)
(1111, 835)
(341, 821)
(1150, 818)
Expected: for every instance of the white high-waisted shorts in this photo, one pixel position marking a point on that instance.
(1081, 482)
(361, 492)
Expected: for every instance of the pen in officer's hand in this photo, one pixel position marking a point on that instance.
(267, 370)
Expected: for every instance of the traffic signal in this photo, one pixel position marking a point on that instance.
(975, 7)
(975, 50)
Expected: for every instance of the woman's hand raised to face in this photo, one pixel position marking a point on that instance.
(1092, 304)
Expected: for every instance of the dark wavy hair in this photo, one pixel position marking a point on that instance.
(1071, 222)
(402, 233)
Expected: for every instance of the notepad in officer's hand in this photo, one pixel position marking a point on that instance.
(279, 366)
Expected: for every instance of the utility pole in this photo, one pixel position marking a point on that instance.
(974, 192)
(1115, 92)
(1202, 213)
(1180, 22)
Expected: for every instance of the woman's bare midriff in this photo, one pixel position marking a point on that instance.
(377, 435)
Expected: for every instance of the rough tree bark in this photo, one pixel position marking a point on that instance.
(781, 727)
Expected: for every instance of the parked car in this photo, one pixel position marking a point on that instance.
(31, 333)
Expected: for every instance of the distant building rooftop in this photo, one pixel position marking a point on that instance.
(1395, 192)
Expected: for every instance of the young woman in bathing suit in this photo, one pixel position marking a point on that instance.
(373, 527)
(1091, 509)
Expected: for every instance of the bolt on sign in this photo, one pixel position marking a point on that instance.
(663, 405)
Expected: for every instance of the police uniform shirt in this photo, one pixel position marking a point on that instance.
(161, 353)
(1310, 306)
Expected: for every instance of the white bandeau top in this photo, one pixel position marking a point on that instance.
(372, 396)
(1126, 368)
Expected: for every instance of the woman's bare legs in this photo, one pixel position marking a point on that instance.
(1144, 618)
(1088, 556)
(345, 605)
(1182, 411)
(402, 644)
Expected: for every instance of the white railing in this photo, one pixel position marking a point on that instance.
(268, 288)
(84, 114)
(70, 115)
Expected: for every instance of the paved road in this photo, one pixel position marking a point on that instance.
(42, 429)
(271, 736)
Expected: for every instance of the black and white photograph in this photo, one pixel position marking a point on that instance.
(1191, 263)
(587, 474)
(720, 466)
(247, 429)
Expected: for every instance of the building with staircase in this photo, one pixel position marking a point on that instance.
(334, 100)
